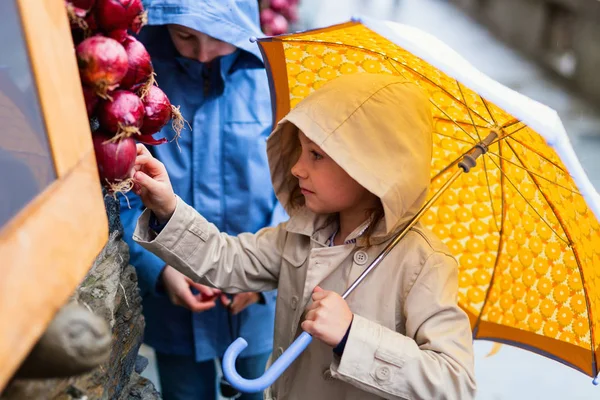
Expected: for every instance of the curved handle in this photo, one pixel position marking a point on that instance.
(270, 375)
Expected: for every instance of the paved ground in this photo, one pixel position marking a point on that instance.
(511, 374)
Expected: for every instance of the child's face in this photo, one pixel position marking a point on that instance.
(197, 45)
(326, 187)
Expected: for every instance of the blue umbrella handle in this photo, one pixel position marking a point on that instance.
(270, 375)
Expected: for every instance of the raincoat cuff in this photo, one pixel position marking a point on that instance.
(367, 362)
(171, 231)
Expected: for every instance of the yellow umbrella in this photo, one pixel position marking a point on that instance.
(523, 223)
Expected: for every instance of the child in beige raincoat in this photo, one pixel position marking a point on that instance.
(352, 165)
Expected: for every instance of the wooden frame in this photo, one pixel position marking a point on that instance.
(49, 246)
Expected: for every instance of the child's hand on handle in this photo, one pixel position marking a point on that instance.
(328, 317)
(152, 184)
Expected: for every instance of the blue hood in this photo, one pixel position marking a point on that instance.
(231, 21)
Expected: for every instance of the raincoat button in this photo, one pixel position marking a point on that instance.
(327, 375)
(294, 303)
(382, 373)
(360, 257)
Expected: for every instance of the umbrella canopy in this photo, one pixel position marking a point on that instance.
(523, 223)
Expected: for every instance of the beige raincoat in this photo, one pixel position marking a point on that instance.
(409, 339)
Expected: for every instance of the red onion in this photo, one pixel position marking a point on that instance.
(157, 109)
(79, 26)
(119, 14)
(279, 25)
(123, 116)
(120, 35)
(102, 63)
(149, 140)
(266, 16)
(278, 5)
(140, 71)
(114, 159)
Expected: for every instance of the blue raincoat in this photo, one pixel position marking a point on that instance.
(221, 169)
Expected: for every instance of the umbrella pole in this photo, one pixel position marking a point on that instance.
(469, 161)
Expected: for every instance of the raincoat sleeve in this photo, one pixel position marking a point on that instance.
(435, 358)
(248, 262)
(278, 216)
(147, 265)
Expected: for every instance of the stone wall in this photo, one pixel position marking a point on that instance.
(562, 35)
(109, 290)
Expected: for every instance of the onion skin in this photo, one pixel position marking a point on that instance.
(139, 69)
(102, 63)
(115, 160)
(149, 140)
(119, 14)
(125, 110)
(120, 35)
(158, 111)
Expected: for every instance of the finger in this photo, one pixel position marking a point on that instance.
(320, 295)
(204, 290)
(137, 189)
(313, 306)
(237, 302)
(318, 289)
(149, 164)
(239, 305)
(141, 149)
(311, 315)
(190, 302)
(309, 327)
(225, 300)
(146, 182)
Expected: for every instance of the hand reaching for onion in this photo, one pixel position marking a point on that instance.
(152, 184)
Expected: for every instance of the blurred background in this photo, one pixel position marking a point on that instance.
(546, 49)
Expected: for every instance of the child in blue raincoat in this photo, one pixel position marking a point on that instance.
(206, 64)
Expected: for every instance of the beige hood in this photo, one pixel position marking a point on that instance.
(378, 128)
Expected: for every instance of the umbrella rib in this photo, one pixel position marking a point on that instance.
(530, 205)
(389, 59)
(488, 110)
(508, 135)
(468, 109)
(511, 123)
(455, 123)
(540, 155)
(500, 245)
(409, 69)
(436, 106)
(452, 137)
(453, 163)
(462, 122)
(487, 179)
(537, 184)
(575, 253)
(533, 173)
